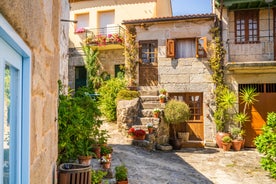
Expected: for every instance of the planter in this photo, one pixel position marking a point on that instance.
(226, 146)
(219, 136)
(122, 182)
(85, 160)
(243, 142)
(155, 115)
(184, 136)
(70, 172)
(97, 151)
(106, 165)
(162, 100)
(139, 137)
(150, 130)
(236, 145)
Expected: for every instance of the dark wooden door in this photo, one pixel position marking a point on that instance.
(148, 74)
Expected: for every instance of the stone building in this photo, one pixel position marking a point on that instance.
(33, 51)
(99, 22)
(248, 33)
(172, 55)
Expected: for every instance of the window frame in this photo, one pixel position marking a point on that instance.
(9, 35)
(246, 15)
(155, 52)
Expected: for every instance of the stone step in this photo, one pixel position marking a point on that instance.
(145, 120)
(192, 144)
(152, 105)
(149, 98)
(149, 92)
(149, 112)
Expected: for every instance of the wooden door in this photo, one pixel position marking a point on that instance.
(258, 112)
(148, 67)
(195, 125)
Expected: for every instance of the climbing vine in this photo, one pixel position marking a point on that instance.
(131, 55)
(216, 64)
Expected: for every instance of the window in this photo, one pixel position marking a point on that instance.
(15, 81)
(106, 22)
(247, 26)
(83, 20)
(187, 47)
(148, 51)
(80, 77)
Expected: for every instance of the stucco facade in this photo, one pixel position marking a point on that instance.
(38, 24)
(96, 17)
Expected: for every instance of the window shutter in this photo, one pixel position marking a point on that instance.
(171, 48)
(201, 47)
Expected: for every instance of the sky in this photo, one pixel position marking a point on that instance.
(187, 7)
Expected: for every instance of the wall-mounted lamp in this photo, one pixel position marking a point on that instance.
(64, 20)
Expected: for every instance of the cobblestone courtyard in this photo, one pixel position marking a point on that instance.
(209, 165)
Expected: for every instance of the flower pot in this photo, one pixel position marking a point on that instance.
(106, 165)
(122, 182)
(219, 136)
(69, 172)
(85, 160)
(236, 145)
(150, 130)
(176, 144)
(97, 151)
(139, 137)
(162, 100)
(184, 136)
(226, 146)
(155, 115)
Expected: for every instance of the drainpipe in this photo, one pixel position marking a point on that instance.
(221, 28)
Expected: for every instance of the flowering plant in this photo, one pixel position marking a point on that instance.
(162, 96)
(137, 133)
(156, 110)
(149, 125)
(104, 159)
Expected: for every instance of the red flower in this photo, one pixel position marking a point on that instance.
(131, 131)
(139, 133)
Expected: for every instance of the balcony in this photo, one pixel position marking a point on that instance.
(106, 38)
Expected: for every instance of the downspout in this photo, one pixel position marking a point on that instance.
(221, 28)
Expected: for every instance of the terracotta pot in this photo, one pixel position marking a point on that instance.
(106, 165)
(97, 151)
(219, 136)
(226, 146)
(122, 182)
(85, 160)
(150, 130)
(236, 145)
(162, 100)
(155, 115)
(139, 137)
(243, 142)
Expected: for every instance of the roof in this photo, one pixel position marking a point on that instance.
(245, 4)
(167, 19)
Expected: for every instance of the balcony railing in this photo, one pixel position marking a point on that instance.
(110, 35)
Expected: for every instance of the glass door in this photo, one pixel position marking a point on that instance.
(10, 124)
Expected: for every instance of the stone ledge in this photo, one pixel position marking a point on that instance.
(164, 147)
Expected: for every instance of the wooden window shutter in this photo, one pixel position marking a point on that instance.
(171, 48)
(201, 47)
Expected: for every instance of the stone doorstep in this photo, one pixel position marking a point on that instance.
(144, 121)
(151, 105)
(149, 98)
(192, 144)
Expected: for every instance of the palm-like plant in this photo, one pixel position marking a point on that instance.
(248, 97)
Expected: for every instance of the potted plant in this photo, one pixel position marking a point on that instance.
(163, 91)
(226, 143)
(176, 112)
(150, 127)
(106, 151)
(237, 138)
(84, 149)
(97, 176)
(121, 174)
(105, 161)
(138, 134)
(162, 98)
(156, 112)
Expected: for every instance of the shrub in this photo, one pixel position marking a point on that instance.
(121, 173)
(97, 176)
(127, 95)
(266, 144)
(108, 93)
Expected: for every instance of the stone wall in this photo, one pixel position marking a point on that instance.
(38, 23)
(107, 58)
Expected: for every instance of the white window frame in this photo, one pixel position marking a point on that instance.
(8, 34)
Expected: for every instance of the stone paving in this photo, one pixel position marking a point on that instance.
(186, 166)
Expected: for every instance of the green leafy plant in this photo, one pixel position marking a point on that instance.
(266, 144)
(121, 173)
(226, 139)
(126, 94)
(108, 94)
(78, 121)
(131, 55)
(105, 150)
(162, 91)
(97, 176)
(176, 112)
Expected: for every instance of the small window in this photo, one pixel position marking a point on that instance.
(83, 22)
(187, 48)
(247, 26)
(148, 51)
